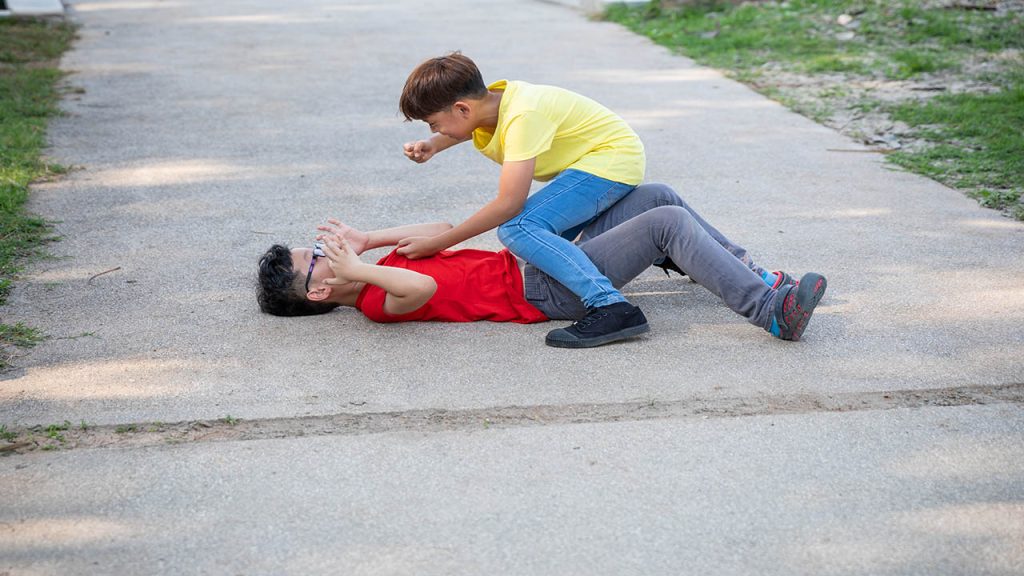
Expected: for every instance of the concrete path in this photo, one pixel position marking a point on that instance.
(207, 131)
(931, 491)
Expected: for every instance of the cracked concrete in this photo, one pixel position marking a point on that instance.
(143, 434)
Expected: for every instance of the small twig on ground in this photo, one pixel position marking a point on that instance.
(262, 232)
(94, 276)
(961, 6)
(15, 446)
(850, 121)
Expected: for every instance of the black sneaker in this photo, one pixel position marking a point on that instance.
(667, 264)
(600, 326)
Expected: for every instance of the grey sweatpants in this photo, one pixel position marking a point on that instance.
(652, 222)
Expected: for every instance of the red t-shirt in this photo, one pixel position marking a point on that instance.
(471, 285)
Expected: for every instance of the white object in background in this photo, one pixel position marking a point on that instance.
(35, 7)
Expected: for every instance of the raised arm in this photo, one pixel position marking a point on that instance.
(424, 150)
(391, 236)
(361, 241)
(513, 189)
(406, 290)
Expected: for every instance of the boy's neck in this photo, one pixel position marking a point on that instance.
(490, 105)
(348, 294)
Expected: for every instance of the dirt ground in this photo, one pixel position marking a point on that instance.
(78, 436)
(837, 100)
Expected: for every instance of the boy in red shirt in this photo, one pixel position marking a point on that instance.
(650, 224)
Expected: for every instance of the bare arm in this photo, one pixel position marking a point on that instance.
(513, 189)
(391, 236)
(406, 290)
(361, 241)
(441, 142)
(424, 150)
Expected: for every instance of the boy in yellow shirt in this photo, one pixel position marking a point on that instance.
(588, 155)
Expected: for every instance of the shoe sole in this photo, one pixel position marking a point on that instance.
(599, 340)
(810, 290)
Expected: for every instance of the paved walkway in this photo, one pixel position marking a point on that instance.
(207, 131)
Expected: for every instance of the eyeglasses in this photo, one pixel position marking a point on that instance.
(318, 252)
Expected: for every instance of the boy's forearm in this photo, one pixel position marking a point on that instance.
(513, 189)
(492, 215)
(406, 290)
(391, 236)
(441, 142)
(397, 281)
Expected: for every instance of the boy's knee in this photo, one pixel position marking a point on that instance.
(660, 194)
(672, 218)
(508, 232)
(523, 224)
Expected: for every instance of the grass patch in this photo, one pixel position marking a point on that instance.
(975, 141)
(28, 98)
(53, 431)
(18, 335)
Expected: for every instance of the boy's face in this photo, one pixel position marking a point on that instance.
(456, 122)
(301, 258)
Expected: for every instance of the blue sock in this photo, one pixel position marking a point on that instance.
(769, 278)
(774, 329)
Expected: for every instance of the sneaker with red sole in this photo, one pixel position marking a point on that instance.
(795, 304)
(783, 279)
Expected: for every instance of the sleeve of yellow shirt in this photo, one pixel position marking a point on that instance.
(528, 135)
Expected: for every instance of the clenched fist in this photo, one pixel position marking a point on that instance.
(419, 152)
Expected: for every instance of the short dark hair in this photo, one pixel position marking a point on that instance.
(278, 291)
(438, 83)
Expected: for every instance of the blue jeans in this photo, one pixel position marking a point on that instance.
(542, 233)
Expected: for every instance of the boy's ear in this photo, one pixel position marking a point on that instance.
(461, 109)
(319, 293)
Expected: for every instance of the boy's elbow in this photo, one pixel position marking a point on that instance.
(424, 290)
(430, 288)
(509, 210)
(416, 296)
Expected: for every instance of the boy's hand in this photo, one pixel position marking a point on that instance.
(357, 239)
(341, 258)
(416, 247)
(419, 152)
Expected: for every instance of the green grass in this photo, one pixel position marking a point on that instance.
(897, 38)
(20, 335)
(28, 98)
(53, 431)
(978, 144)
(976, 141)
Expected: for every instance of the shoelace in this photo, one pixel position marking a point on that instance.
(589, 319)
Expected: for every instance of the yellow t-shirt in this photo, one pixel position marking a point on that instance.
(562, 130)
